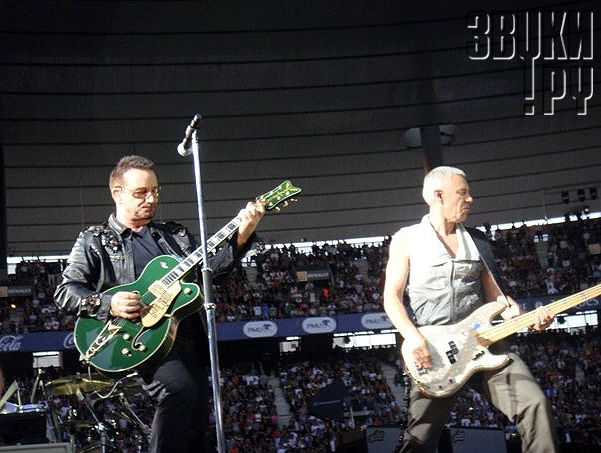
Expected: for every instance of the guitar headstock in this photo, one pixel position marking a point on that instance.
(280, 194)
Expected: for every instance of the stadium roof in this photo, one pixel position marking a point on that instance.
(321, 93)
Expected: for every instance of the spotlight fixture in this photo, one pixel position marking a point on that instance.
(565, 196)
(581, 196)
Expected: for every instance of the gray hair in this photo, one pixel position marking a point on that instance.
(434, 179)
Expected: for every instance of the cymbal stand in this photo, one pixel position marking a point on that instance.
(54, 423)
(99, 425)
(133, 417)
(20, 405)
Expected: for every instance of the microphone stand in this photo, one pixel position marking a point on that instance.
(209, 305)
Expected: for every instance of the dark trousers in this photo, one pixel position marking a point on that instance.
(180, 386)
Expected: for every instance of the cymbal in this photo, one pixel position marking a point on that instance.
(69, 385)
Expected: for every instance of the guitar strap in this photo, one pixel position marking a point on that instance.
(487, 257)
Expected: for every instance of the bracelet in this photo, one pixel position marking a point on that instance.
(91, 303)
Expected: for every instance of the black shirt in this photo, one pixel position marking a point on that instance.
(144, 249)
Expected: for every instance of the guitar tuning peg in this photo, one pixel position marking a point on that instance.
(277, 208)
(285, 203)
(293, 200)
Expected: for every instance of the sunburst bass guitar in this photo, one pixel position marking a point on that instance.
(120, 346)
(459, 350)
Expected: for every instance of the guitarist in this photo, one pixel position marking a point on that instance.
(115, 253)
(443, 268)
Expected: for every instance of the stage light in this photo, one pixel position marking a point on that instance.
(565, 196)
(581, 196)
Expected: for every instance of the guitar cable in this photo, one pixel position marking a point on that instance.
(114, 387)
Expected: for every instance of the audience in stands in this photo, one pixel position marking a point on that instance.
(535, 261)
(555, 259)
(568, 366)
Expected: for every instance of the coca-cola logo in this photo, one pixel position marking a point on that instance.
(10, 343)
(69, 341)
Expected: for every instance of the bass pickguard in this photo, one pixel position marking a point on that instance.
(456, 352)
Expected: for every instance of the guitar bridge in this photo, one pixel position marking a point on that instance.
(106, 335)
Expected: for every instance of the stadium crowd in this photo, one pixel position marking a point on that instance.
(568, 260)
(536, 261)
(567, 365)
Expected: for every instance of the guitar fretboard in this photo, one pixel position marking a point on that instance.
(511, 326)
(195, 258)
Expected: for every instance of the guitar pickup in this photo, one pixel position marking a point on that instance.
(451, 357)
(453, 347)
(451, 353)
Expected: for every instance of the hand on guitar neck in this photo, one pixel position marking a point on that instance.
(250, 217)
(543, 316)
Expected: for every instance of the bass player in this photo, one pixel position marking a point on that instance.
(447, 271)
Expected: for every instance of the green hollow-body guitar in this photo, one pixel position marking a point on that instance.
(121, 346)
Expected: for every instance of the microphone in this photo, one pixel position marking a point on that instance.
(184, 149)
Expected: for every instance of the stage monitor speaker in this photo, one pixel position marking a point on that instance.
(470, 440)
(23, 428)
(454, 440)
(381, 439)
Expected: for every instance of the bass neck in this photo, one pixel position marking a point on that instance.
(512, 325)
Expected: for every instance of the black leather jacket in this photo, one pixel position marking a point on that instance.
(102, 258)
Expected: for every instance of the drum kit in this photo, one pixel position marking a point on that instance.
(75, 410)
